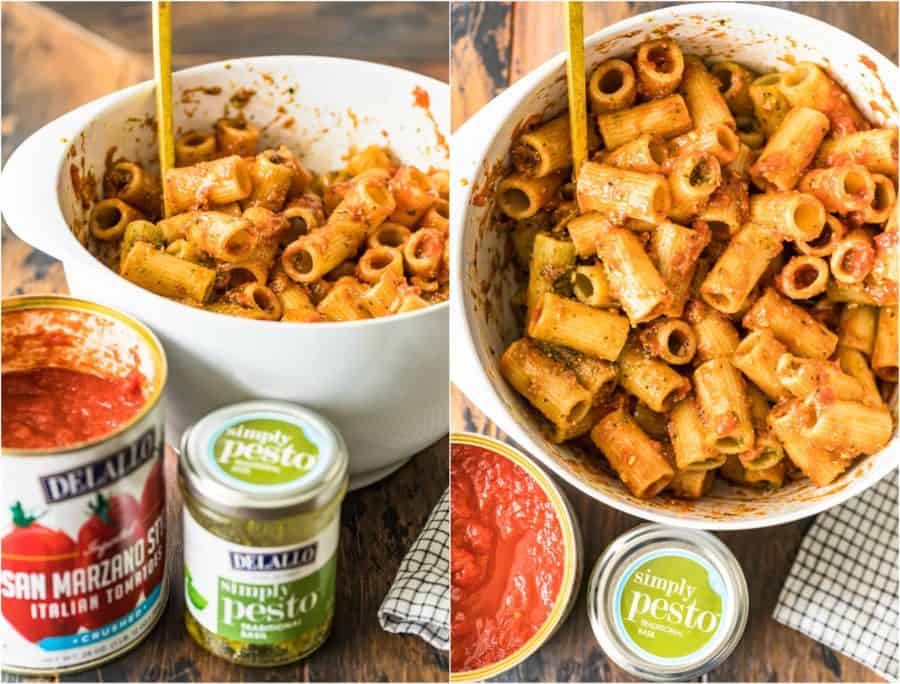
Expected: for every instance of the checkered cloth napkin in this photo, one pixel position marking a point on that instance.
(419, 599)
(842, 590)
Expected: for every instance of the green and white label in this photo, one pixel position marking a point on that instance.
(671, 606)
(259, 595)
(264, 451)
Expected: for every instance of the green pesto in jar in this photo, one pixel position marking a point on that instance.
(262, 483)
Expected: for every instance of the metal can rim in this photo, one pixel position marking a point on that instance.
(227, 501)
(573, 564)
(607, 572)
(23, 302)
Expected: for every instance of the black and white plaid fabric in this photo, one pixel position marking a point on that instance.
(419, 599)
(843, 589)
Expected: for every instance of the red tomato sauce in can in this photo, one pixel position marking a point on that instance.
(82, 507)
(507, 557)
(58, 407)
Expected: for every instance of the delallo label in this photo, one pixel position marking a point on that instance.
(670, 606)
(82, 554)
(259, 595)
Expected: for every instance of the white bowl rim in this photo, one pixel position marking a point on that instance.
(172, 306)
(512, 98)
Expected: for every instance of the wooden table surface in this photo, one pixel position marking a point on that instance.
(108, 44)
(493, 45)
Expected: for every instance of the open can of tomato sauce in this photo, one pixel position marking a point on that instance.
(82, 532)
(516, 557)
(667, 604)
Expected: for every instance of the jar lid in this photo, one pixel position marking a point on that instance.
(666, 603)
(263, 459)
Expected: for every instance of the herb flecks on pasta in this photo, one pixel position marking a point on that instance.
(257, 235)
(717, 293)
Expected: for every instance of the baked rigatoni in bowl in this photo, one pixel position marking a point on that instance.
(698, 196)
(382, 381)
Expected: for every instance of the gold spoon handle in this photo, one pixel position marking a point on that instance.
(576, 84)
(162, 67)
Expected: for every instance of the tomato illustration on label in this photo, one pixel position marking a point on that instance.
(107, 540)
(33, 549)
(153, 505)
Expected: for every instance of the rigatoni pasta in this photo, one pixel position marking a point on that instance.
(255, 234)
(721, 279)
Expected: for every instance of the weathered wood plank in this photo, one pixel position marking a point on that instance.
(480, 57)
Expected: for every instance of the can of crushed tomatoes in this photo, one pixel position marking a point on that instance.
(517, 557)
(82, 523)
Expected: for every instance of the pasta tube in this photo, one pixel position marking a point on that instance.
(638, 460)
(659, 65)
(804, 377)
(225, 237)
(734, 84)
(413, 194)
(807, 85)
(769, 104)
(876, 149)
(791, 215)
(820, 465)
(633, 279)
(694, 177)
(841, 189)
(551, 387)
(134, 186)
(704, 100)
(664, 118)
(644, 154)
(596, 332)
(724, 409)
(612, 86)
(544, 150)
(590, 286)
(790, 149)
(642, 196)
(884, 352)
(671, 339)
(110, 217)
(822, 246)
(853, 257)
(236, 137)
(521, 197)
(221, 181)
(716, 335)
(757, 357)
(857, 327)
(791, 325)
(167, 275)
(551, 260)
(847, 427)
(194, 147)
(692, 484)
(803, 277)
(692, 450)
(675, 250)
(740, 267)
(653, 382)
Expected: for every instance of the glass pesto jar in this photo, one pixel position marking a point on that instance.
(667, 604)
(262, 483)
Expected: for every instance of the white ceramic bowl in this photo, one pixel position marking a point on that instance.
(763, 38)
(383, 382)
